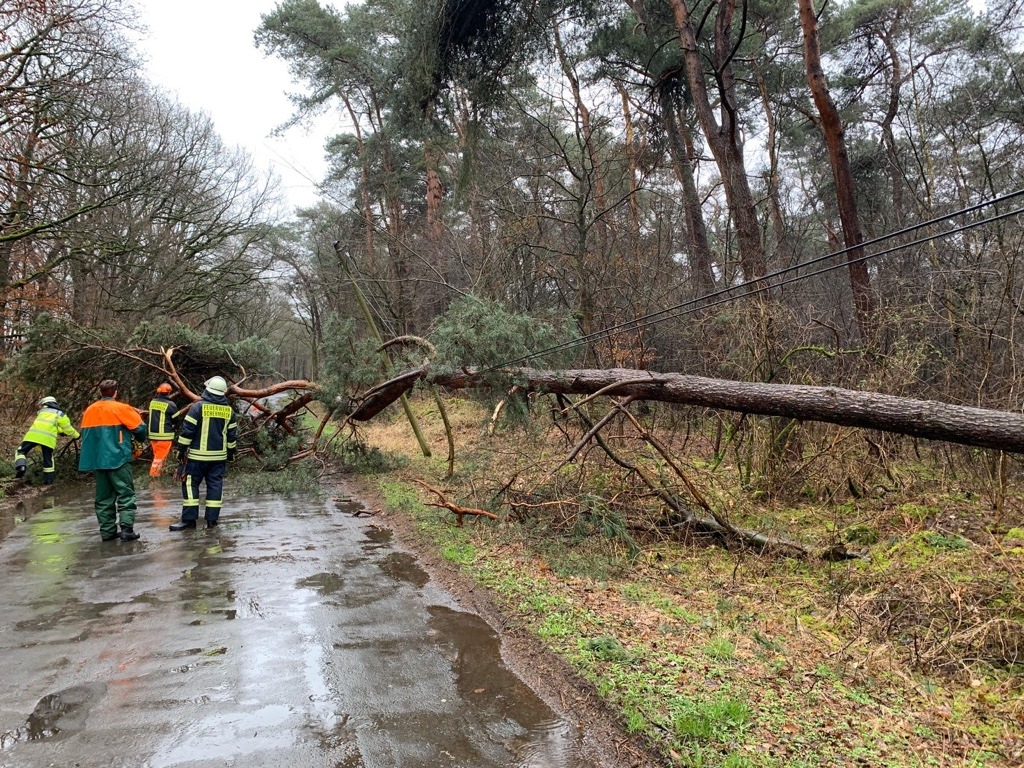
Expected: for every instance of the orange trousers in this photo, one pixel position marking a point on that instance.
(160, 450)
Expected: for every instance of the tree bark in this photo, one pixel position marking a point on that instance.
(869, 410)
(682, 152)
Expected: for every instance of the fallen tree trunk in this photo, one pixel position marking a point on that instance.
(929, 419)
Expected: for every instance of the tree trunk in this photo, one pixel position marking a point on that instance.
(869, 410)
(435, 191)
(832, 128)
(683, 156)
(724, 140)
(634, 202)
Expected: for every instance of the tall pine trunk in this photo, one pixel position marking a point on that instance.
(832, 128)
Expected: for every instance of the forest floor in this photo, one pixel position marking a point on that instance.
(910, 655)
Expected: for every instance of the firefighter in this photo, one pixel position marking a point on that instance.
(108, 427)
(50, 422)
(205, 445)
(162, 410)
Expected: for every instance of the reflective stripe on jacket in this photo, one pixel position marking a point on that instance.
(48, 424)
(209, 430)
(107, 430)
(161, 411)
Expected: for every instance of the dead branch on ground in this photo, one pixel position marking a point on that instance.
(458, 509)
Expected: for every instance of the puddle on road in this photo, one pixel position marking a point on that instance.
(481, 675)
(350, 507)
(401, 566)
(452, 699)
(221, 738)
(483, 678)
(59, 714)
(375, 538)
(324, 583)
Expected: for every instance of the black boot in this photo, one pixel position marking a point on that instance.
(111, 537)
(128, 533)
(211, 523)
(184, 525)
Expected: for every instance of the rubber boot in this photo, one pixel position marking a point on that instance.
(128, 533)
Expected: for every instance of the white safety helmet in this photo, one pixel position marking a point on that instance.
(47, 401)
(217, 386)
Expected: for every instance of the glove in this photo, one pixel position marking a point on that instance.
(179, 474)
(231, 455)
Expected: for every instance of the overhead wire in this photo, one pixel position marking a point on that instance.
(699, 303)
(841, 265)
(747, 287)
(397, 240)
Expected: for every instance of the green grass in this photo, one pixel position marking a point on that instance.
(721, 649)
(298, 478)
(718, 719)
(711, 655)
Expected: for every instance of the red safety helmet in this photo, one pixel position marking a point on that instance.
(164, 389)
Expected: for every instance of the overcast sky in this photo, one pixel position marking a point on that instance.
(202, 51)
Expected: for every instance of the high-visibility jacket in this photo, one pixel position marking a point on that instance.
(49, 423)
(209, 430)
(107, 430)
(161, 411)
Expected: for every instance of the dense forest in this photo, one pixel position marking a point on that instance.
(754, 191)
(745, 190)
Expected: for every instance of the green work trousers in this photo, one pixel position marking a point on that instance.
(115, 496)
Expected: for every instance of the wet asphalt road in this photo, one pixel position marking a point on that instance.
(293, 635)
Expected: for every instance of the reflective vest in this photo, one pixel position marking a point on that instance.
(48, 424)
(161, 411)
(209, 430)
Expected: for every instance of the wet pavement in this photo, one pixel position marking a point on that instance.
(292, 635)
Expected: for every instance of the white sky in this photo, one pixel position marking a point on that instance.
(202, 52)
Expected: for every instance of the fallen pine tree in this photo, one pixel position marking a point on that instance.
(930, 419)
(870, 410)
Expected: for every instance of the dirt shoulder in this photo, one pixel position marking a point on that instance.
(605, 742)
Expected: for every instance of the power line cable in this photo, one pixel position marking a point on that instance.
(673, 311)
(397, 240)
(594, 335)
(921, 241)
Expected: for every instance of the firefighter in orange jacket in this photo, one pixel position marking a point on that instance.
(162, 411)
(108, 429)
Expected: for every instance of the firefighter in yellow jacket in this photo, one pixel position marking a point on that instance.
(50, 422)
(162, 411)
(206, 444)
